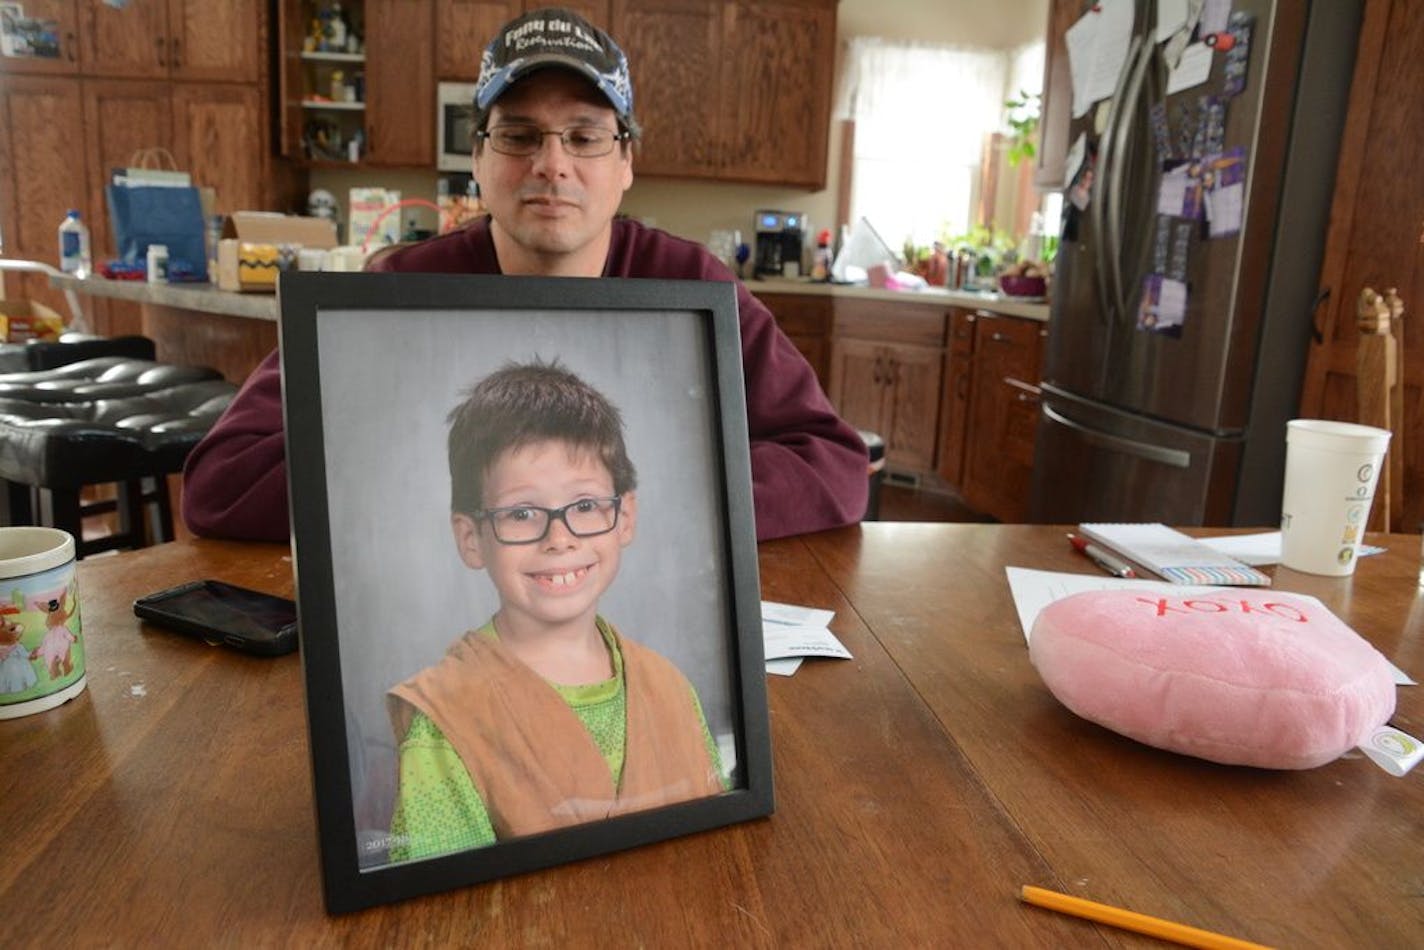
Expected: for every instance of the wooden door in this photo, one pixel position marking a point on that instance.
(217, 41)
(675, 51)
(220, 137)
(130, 41)
(859, 373)
(912, 378)
(1376, 235)
(121, 116)
(400, 83)
(776, 91)
(42, 175)
(66, 60)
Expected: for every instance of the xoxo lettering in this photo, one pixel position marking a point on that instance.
(1163, 606)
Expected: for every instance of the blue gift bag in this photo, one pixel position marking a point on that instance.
(154, 214)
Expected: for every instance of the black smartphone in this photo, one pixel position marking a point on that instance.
(218, 612)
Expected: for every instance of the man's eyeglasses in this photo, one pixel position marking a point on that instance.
(580, 141)
(527, 524)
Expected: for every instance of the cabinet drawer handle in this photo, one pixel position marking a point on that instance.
(158, 45)
(998, 337)
(176, 60)
(69, 45)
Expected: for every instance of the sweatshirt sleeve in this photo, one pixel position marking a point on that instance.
(235, 479)
(808, 465)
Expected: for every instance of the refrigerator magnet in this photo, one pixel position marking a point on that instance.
(1237, 54)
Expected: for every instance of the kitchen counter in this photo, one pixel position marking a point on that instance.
(1030, 309)
(203, 298)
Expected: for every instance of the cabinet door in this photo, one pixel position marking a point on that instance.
(220, 136)
(400, 83)
(121, 116)
(129, 41)
(674, 50)
(463, 28)
(954, 407)
(806, 320)
(859, 373)
(216, 41)
(912, 376)
(42, 172)
(1003, 414)
(63, 57)
(776, 91)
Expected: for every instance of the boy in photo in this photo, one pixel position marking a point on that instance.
(546, 716)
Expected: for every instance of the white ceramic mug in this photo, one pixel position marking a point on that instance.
(1331, 472)
(41, 642)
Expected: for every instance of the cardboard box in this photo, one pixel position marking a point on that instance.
(22, 320)
(257, 245)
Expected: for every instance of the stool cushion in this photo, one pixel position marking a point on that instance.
(105, 420)
(70, 348)
(1245, 677)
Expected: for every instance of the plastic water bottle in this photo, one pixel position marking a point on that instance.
(74, 245)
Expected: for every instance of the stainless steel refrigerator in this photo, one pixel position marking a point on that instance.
(1177, 347)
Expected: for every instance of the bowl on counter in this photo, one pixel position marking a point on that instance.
(1023, 286)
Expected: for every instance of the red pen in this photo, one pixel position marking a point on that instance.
(1114, 566)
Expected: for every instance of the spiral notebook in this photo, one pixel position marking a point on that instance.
(1174, 556)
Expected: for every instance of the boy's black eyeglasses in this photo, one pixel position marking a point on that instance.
(580, 141)
(527, 524)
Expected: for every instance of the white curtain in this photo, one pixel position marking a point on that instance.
(921, 113)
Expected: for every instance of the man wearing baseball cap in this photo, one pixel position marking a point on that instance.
(553, 154)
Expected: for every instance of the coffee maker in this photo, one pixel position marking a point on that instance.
(780, 236)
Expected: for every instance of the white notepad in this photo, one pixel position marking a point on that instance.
(1174, 556)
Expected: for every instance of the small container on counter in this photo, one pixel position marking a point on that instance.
(158, 263)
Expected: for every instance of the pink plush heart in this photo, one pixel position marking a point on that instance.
(1243, 677)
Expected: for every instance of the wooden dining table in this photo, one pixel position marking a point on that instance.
(918, 786)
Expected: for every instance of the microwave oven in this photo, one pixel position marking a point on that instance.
(454, 126)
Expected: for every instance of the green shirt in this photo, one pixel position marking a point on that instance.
(439, 810)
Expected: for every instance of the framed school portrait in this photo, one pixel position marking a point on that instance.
(526, 571)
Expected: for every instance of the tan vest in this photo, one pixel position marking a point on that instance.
(531, 758)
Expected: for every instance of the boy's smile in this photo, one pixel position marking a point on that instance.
(549, 587)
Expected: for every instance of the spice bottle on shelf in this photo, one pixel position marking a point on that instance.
(74, 255)
(821, 264)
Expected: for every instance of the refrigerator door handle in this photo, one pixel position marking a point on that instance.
(1103, 184)
(1143, 450)
(1124, 128)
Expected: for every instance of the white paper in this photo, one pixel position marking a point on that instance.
(1171, 17)
(1214, 16)
(1073, 161)
(1264, 548)
(1392, 750)
(1097, 51)
(1192, 69)
(1172, 190)
(1034, 590)
(791, 633)
(1224, 207)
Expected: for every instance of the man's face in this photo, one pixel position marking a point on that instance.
(553, 583)
(552, 213)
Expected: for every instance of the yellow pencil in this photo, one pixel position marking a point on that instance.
(1129, 920)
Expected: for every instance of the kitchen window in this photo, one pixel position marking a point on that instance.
(922, 113)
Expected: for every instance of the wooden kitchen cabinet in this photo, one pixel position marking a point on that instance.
(954, 407)
(734, 91)
(189, 77)
(886, 369)
(178, 39)
(42, 168)
(463, 28)
(400, 83)
(65, 16)
(807, 320)
(1003, 414)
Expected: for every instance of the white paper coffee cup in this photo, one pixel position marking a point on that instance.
(41, 638)
(1331, 472)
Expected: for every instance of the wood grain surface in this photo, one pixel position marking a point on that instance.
(918, 785)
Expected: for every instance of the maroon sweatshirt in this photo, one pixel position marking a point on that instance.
(808, 466)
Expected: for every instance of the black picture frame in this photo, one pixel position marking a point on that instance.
(372, 364)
